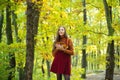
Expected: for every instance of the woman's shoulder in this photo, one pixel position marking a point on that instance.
(69, 39)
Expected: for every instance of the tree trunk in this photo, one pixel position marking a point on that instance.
(1, 24)
(42, 67)
(110, 48)
(32, 27)
(47, 61)
(9, 41)
(76, 57)
(14, 22)
(29, 42)
(118, 54)
(110, 61)
(84, 61)
(48, 67)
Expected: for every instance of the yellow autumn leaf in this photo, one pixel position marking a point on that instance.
(64, 14)
(91, 48)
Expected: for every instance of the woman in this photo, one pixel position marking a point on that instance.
(62, 51)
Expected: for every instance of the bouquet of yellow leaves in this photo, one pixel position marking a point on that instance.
(62, 45)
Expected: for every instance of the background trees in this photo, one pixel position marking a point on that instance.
(32, 29)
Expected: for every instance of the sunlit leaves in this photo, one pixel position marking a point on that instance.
(19, 9)
(17, 48)
(113, 3)
(115, 38)
(3, 4)
(18, 0)
(68, 13)
(76, 71)
(91, 48)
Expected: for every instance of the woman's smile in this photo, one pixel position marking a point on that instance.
(61, 31)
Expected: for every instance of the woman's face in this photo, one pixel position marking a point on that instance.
(61, 31)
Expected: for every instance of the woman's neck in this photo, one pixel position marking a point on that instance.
(62, 36)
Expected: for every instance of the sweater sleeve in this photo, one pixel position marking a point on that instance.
(70, 49)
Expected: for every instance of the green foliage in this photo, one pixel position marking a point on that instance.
(18, 49)
(3, 4)
(4, 61)
(117, 58)
(76, 72)
(52, 15)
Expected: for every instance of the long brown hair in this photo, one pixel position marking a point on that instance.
(58, 36)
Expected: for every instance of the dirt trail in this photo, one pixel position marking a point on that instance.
(101, 76)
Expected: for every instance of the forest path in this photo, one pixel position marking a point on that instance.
(101, 76)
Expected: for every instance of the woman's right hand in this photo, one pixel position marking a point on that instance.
(59, 47)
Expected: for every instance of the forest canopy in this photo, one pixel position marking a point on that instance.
(28, 29)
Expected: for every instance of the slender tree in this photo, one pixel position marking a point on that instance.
(110, 47)
(118, 53)
(42, 67)
(32, 26)
(14, 22)
(48, 62)
(10, 40)
(84, 61)
(1, 24)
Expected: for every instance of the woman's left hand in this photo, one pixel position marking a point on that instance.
(60, 48)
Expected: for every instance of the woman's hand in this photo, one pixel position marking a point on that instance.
(59, 47)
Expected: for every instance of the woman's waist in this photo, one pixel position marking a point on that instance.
(62, 53)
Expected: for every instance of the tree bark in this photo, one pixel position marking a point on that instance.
(110, 61)
(1, 24)
(48, 68)
(47, 61)
(14, 22)
(42, 67)
(10, 41)
(84, 61)
(110, 48)
(29, 42)
(32, 27)
(118, 53)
